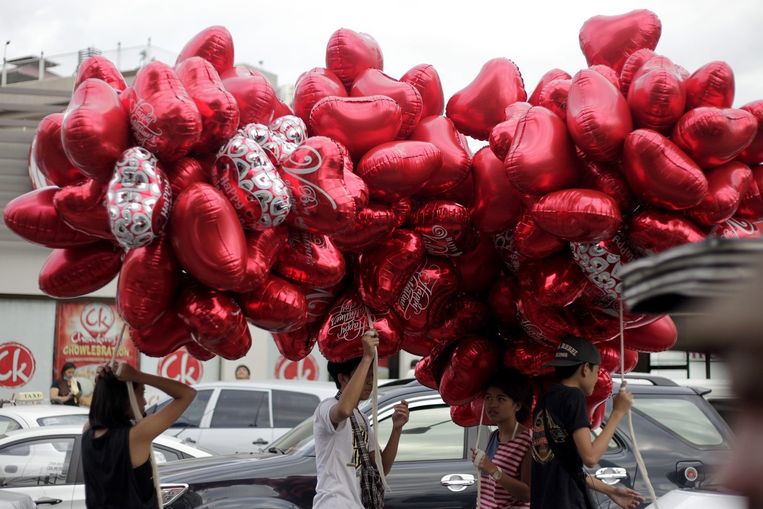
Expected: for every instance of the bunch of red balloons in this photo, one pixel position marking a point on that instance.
(216, 204)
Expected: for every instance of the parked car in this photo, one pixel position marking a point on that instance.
(45, 463)
(699, 499)
(10, 500)
(243, 416)
(680, 435)
(32, 416)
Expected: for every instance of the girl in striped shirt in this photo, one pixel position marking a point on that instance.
(506, 463)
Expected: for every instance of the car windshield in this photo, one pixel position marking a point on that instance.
(295, 439)
(54, 420)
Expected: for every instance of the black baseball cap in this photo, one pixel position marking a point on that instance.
(573, 351)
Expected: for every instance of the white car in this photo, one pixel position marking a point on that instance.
(45, 463)
(34, 416)
(698, 499)
(246, 416)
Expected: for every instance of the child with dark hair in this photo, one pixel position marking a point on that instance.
(561, 438)
(347, 472)
(505, 463)
(115, 452)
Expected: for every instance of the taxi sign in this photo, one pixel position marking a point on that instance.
(29, 397)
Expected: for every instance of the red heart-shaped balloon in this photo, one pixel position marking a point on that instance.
(631, 361)
(384, 270)
(349, 53)
(444, 227)
(101, 68)
(311, 259)
(76, 271)
(478, 267)
(502, 300)
(601, 262)
(295, 345)
(578, 215)
(456, 157)
(425, 294)
(319, 301)
(358, 123)
(554, 97)
(736, 228)
(544, 325)
(751, 206)
(372, 223)
(609, 40)
(531, 241)
(471, 364)
(398, 169)
(660, 173)
(48, 153)
(315, 175)
(163, 337)
(253, 92)
(425, 79)
(651, 231)
(608, 73)
(214, 44)
(631, 66)
(557, 281)
(463, 317)
(602, 390)
(657, 336)
(424, 373)
(197, 351)
(357, 188)
(33, 217)
(529, 357)
(542, 157)
(147, 283)
(207, 237)
(163, 117)
(548, 77)
(374, 82)
(753, 154)
(217, 107)
(727, 184)
(312, 86)
(276, 305)
(598, 117)
(609, 179)
(503, 134)
(262, 252)
(83, 208)
(478, 107)
(184, 172)
(711, 85)
(610, 356)
(94, 131)
(497, 204)
(714, 136)
(657, 95)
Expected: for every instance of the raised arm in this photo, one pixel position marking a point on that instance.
(350, 396)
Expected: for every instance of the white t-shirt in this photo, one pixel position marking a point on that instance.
(337, 459)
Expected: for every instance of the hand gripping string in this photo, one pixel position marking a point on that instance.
(375, 408)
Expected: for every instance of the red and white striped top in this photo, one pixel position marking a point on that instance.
(508, 457)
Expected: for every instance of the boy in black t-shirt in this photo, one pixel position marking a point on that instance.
(562, 434)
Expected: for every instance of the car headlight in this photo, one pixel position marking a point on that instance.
(172, 492)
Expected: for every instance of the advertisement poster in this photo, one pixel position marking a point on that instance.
(86, 334)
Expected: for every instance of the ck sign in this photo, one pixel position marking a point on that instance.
(181, 366)
(17, 365)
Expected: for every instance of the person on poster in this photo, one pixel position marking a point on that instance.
(66, 390)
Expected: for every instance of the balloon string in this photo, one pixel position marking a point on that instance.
(637, 452)
(479, 432)
(375, 408)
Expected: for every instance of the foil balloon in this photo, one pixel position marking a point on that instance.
(608, 73)
(456, 157)
(578, 215)
(249, 181)
(214, 44)
(548, 77)
(753, 154)
(48, 153)
(727, 184)
(425, 79)
(631, 361)
(478, 107)
(660, 173)
(602, 390)
(207, 237)
(557, 281)
(163, 117)
(276, 305)
(632, 64)
(374, 82)
(529, 357)
(601, 262)
(83, 208)
(372, 224)
(76, 271)
(531, 241)
(422, 302)
(424, 374)
(95, 131)
(503, 134)
(358, 123)
(596, 415)
(138, 199)
(312, 86)
(319, 301)
(463, 317)
(315, 174)
(444, 227)
(197, 351)
(751, 205)
(163, 337)
(651, 231)
(657, 336)
(274, 145)
(100, 68)
(711, 85)
(349, 53)
(357, 189)
(736, 228)
(468, 369)
(597, 116)
(398, 169)
(184, 172)
(714, 136)
(608, 179)
(33, 217)
(657, 95)
(262, 249)
(147, 283)
(254, 94)
(217, 107)
(296, 345)
(281, 109)
(502, 300)
(544, 325)
(291, 127)
(478, 267)
(542, 157)
(609, 40)
(311, 259)
(385, 269)
(554, 97)
(610, 356)
(497, 204)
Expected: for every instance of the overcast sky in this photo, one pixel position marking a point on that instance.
(456, 37)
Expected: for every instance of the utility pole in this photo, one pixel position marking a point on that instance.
(5, 63)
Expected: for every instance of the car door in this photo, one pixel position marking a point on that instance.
(41, 468)
(431, 454)
(240, 422)
(290, 408)
(188, 427)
